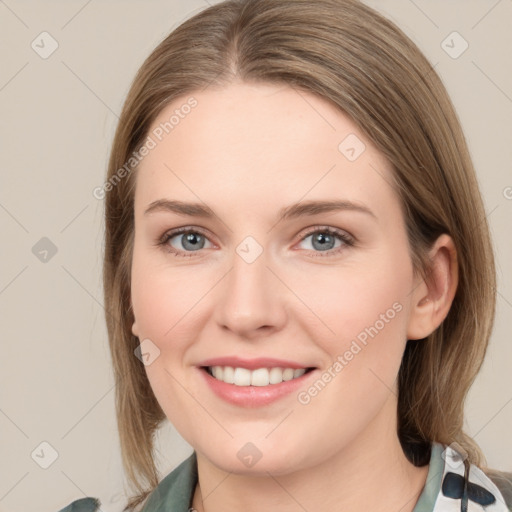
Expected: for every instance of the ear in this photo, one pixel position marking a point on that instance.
(432, 297)
(135, 329)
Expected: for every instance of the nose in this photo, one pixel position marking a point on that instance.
(251, 299)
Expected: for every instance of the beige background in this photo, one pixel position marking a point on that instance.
(58, 117)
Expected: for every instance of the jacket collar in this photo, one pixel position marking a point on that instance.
(176, 490)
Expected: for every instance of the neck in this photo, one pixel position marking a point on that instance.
(372, 473)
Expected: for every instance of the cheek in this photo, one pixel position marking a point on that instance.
(367, 308)
(163, 297)
(163, 302)
(351, 302)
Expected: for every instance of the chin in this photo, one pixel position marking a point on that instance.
(256, 459)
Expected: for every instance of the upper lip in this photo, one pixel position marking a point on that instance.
(252, 364)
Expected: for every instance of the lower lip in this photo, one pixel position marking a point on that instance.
(253, 396)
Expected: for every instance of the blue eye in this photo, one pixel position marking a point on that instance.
(189, 241)
(325, 239)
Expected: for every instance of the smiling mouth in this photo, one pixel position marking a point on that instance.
(258, 377)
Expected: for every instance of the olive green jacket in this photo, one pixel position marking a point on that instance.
(490, 491)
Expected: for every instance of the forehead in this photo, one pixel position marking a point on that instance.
(243, 142)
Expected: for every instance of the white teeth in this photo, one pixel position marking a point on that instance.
(258, 377)
(288, 374)
(242, 377)
(276, 376)
(229, 374)
(217, 372)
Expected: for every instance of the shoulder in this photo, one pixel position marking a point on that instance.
(503, 481)
(461, 481)
(83, 505)
(176, 489)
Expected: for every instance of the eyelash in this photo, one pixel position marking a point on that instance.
(348, 241)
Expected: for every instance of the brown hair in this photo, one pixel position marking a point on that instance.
(346, 53)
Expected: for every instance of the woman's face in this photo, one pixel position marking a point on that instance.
(254, 290)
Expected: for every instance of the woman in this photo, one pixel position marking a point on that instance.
(298, 269)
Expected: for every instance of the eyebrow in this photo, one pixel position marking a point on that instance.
(301, 209)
